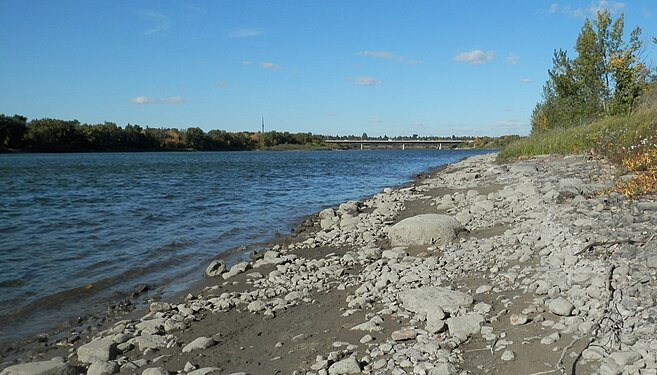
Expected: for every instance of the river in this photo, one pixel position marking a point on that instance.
(74, 228)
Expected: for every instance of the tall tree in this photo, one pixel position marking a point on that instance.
(606, 77)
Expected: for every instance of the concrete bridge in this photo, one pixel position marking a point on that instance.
(425, 143)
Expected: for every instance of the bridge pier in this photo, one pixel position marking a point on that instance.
(440, 146)
(403, 146)
(361, 147)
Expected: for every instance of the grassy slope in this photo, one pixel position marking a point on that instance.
(629, 141)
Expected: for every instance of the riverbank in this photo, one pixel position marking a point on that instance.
(530, 270)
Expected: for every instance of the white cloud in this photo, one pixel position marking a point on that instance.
(527, 81)
(264, 65)
(270, 66)
(245, 33)
(162, 22)
(366, 81)
(613, 7)
(475, 57)
(331, 114)
(385, 55)
(142, 100)
(173, 100)
(512, 59)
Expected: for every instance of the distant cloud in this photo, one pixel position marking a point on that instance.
(264, 65)
(142, 100)
(245, 33)
(475, 57)
(162, 22)
(270, 66)
(375, 120)
(385, 55)
(331, 114)
(527, 81)
(366, 81)
(512, 59)
(614, 7)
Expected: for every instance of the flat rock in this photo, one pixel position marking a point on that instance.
(198, 343)
(97, 350)
(465, 325)
(103, 368)
(39, 368)
(561, 306)
(425, 229)
(443, 368)
(236, 270)
(205, 371)
(348, 365)
(433, 300)
(155, 371)
(404, 334)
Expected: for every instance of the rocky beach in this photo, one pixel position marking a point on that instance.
(531, 267)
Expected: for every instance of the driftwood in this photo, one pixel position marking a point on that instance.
(610, 243)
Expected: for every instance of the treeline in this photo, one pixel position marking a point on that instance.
(53, 135)
(606, 77)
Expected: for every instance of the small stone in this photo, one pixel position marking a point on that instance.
(160, 307)
(216, 268)
(518, 319)
(484, 289)
(508, 355)
(561, 306)
(155, 371)
(348, 365)
(103, 368)
(39, 368)
(199, 343)
(365, 339)
(189, 367)
(443, 368)
(102, 350)
(404, 334)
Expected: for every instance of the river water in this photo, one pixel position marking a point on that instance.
(74, 228)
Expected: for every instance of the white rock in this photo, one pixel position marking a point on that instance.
(465, 325)
(425, 229)
(428, 300)
(508, 355)
(103, 368)
(97, 350)
(39, 368)
(155, 371)
(561, 306)
(348, 365)
(215, 268)
(198, 343)
(205, 371)
(443, 368)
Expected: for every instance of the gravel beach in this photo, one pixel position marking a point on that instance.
(530, 267)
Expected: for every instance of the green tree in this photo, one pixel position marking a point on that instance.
(606, 77)
(12, 131)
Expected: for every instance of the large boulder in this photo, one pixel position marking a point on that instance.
(40, 368)
(426, 229)
(434, 300)
(97, 350)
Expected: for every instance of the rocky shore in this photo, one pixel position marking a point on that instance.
(479, 268)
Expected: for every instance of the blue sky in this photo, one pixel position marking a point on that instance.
(433, 68)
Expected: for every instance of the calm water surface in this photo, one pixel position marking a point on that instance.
(76, 227)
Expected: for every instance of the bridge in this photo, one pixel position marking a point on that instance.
(437, 143)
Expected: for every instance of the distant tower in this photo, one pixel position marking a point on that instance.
(263, 124)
